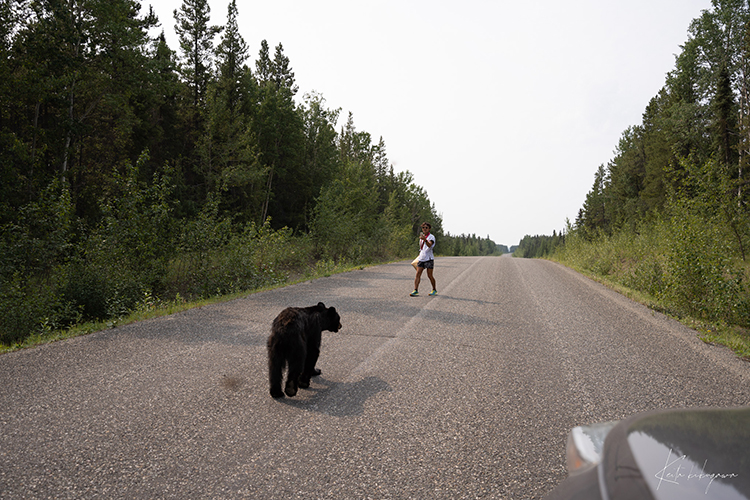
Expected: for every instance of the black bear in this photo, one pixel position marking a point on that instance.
(295, 341)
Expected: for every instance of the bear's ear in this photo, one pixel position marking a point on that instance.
(320, 304)
(331, 309)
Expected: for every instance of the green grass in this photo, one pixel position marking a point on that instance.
(734, 337)
(657, 268)
(154, 308)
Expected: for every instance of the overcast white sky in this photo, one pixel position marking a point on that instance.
(502, 110)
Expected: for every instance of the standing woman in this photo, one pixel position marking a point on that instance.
(426, 259)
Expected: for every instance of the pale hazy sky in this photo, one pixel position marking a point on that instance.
(502, 110)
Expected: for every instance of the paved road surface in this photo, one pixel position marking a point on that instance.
(466, 395)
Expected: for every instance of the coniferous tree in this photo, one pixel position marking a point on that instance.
(228, 149)
(320, 161)
(720, 37)
(16, 168)
(162, 139)
(118, 52)
(263, 65)
(283, 76)
(79, 68)
(382, 173)
(54, 32)
(279, 129)
(231, 55)
(723, 123)
(196, 37)
(743, 119)
(657, 154)
(594, 214)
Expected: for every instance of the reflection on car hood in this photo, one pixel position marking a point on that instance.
(682, 455)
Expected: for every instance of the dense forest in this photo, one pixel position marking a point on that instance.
(694, 141)
(669, 214)
(132, 173)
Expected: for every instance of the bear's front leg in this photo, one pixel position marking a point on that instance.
(313, 352)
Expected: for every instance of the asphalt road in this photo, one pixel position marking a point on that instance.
(469, 394)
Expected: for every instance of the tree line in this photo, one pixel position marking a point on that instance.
(693, 144)
(130, 171)
(87, 92)
(539, 246)
(669, 215)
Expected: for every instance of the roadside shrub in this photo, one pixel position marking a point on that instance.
(41, 234)
(86, 287)
(55, 271)
(342, 223)
(398, 238)
(34, 305)
(33, 249)
(230, 262)
(686, 262)
(645, 257)
(191, 271)
(126, 255)
(701, 279)
(589, 254)
(23, 307)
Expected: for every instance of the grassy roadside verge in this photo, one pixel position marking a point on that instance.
(733, 337)
(155, 308)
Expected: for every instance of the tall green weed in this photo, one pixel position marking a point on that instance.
(683, 261)
(703, 278)
(254, 258)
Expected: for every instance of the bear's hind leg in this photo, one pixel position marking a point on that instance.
(275, 373)
(296, 364)
(310, 370)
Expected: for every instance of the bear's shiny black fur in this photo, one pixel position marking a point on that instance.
(295, 341)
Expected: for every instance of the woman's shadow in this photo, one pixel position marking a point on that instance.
(338, 399)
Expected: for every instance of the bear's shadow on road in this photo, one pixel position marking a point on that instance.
(337, 399)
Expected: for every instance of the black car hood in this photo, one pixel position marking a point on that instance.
(680, 454)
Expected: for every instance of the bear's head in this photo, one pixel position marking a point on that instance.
(331, 319)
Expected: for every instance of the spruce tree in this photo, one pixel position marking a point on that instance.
(283, 76)
(196, 37)
(263, 65)
(231, 55)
